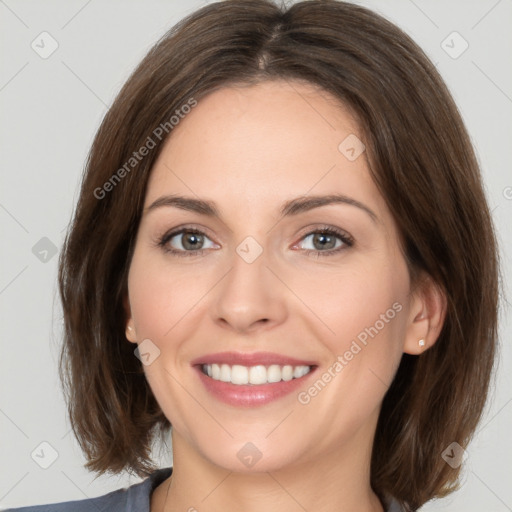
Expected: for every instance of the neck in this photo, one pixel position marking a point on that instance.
(334, 481)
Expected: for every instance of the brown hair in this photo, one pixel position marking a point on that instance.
(420, 157)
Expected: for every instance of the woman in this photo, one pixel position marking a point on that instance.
(274, 252)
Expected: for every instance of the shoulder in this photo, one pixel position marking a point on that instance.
(136, 497)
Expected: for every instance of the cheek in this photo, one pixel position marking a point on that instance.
(366, 312)
(161, 297)
(161, 302)
(349, 302)
(363, 313)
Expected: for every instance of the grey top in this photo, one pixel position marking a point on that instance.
(136, 498)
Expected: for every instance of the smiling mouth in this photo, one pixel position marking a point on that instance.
(254, 375)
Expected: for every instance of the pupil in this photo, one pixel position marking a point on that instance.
(323, 237)
(188, 238)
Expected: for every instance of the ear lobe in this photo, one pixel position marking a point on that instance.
(427, 315)
(130, 332)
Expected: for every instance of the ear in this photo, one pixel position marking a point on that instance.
(426, 316)
(130, 332)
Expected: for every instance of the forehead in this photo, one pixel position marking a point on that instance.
(242, 145)
(268, 121)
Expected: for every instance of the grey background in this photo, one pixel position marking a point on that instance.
(51, 109)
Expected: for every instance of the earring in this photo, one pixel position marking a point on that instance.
(421, 343)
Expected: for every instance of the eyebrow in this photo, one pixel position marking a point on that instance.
(289, 208)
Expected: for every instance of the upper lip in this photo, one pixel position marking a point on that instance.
(251, 359)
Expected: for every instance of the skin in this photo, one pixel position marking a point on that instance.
(249, 149)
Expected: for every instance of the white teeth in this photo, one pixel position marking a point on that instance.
(300, 371)
(225, 373)
(274, 373)
(287, 372)
(255, 375)
(239, 374)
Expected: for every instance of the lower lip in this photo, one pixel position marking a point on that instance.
(250, 395)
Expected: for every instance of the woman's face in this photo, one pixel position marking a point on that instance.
(271, 288)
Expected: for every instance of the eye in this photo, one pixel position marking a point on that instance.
(188, 242)
(324, 241)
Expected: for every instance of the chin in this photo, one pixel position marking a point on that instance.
(252, 456)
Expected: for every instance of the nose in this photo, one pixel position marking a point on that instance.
(250, 296)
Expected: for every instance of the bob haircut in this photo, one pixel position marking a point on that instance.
(422, 161)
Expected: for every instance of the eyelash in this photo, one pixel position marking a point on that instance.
(347, 240)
